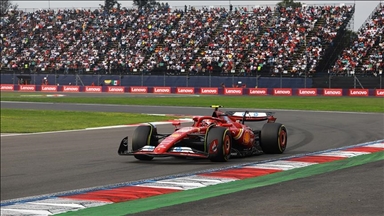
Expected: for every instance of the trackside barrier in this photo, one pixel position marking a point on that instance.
(332, 92)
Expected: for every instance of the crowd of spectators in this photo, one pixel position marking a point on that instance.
(356, 58)
(289, 31)
(143, 37)
(238, 35)
(182, 45)
(282, 39)
(82, 40)
(196, 41)
(70, 39)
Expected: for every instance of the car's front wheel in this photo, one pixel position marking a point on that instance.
(218, 144)
(142, 136)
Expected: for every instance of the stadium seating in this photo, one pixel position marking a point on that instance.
(365, 55)
(265, 40)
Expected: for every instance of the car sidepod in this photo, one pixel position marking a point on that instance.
(273, 138)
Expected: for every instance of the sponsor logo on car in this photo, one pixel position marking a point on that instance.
(177, 149)
(213, 146)
(246, 137)
(175, 135)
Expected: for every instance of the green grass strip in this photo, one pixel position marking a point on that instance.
(176, 198)
(30, 121)
(352, 104)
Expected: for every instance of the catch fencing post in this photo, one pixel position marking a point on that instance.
(142, 79)
(281, 79)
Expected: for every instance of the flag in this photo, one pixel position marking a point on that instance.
(112, 82)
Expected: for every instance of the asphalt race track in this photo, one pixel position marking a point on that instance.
(45, 163)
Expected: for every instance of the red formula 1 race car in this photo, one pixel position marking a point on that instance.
(216, 137)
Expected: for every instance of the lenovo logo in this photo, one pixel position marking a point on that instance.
(139, 89)
(113, 89)
(282, 91)
(48, 88)
(233, 91)
(27, 88)
(163, 90)
(7, 87)
(333, 92)
(93, 89)
(307, 92)
(258, 91)
(181, 90)
(379, 92)
(358, 92)
(209, 91)
(71, 88)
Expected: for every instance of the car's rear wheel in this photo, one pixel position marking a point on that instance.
(273, 138)
(218, 144)
(142, 136)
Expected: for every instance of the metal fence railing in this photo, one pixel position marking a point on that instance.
(326, 81)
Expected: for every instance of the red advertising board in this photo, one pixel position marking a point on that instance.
(7, 87)
(162, 90)
(358, 92)
(138, 89)
(185, 90)
(333, 92)
(233, 91)
(116, 89)
(69, 88)
(48, 88)
(258, 91)
(307, 92)
(27, 88)
(282, 91)
(93, 89)
(209, 91)
(379, 92)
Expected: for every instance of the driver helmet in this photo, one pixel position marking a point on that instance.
(207, 122)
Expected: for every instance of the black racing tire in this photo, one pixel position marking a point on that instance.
(273, 138)
(123, 148)
(218, 144)
(142, 136)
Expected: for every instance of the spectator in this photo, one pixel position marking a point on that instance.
(365, 53)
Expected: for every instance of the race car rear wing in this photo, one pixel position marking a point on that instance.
(251, 116)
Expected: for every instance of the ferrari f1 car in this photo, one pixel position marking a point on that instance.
(216, 137)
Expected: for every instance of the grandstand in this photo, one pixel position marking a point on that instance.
(256, 41)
